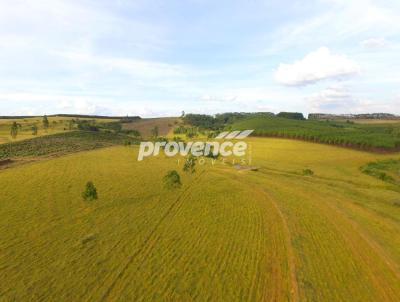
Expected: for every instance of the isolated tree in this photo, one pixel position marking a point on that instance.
(183, 114)
(172, 180)
(71, 124)
(154, 132)
(45, 122)
(34, 129)
(190, 164)
(90, 192)
(14, 130)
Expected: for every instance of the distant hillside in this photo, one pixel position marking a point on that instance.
(384, 137)
(219, 121)
(327, 116)
(131, 118)
(145, 126)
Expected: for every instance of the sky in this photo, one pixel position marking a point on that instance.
(159, 58)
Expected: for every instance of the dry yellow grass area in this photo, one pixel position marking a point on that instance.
(227, 234)
(144, 126)
(57, 124)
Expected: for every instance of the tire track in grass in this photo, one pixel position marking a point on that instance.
(255, 226)
(391, 263)
(332, 201)
(348, 235)
(294, 291)
(376, 247)
(148, 240)
(225, 260)
(355, 238)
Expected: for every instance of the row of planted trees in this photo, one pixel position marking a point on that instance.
(357, 141)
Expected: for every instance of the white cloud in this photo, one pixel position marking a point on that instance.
(335, 99)
(337, 22)
(340, 99)
(34, 103)
(218, 99)
(65, 103)
(316, 66)
(140, 68)
(82, 105)
(374, 43)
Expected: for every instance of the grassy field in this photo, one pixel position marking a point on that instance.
(226, 235)
(57, 124)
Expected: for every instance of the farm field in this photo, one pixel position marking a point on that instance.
(61, 144)
(57, 124)
(165, 125)
(367, 136)
(226, 235)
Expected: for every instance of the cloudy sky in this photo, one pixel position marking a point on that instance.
(156, 58)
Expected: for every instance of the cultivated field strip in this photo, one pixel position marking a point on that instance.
(48, 232)
(280, 220)
(370, 210)
(371, 206)
(215, 244)
(150, 240)
(319, 232)
(189, 258)
(226, 235)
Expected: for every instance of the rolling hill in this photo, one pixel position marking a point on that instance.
(374, 137)
(145, 126)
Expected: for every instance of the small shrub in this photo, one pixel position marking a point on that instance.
(383, 176)
(308, 172)
(34, 129)
(90, 192)
(172, 180)
(190, 164)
